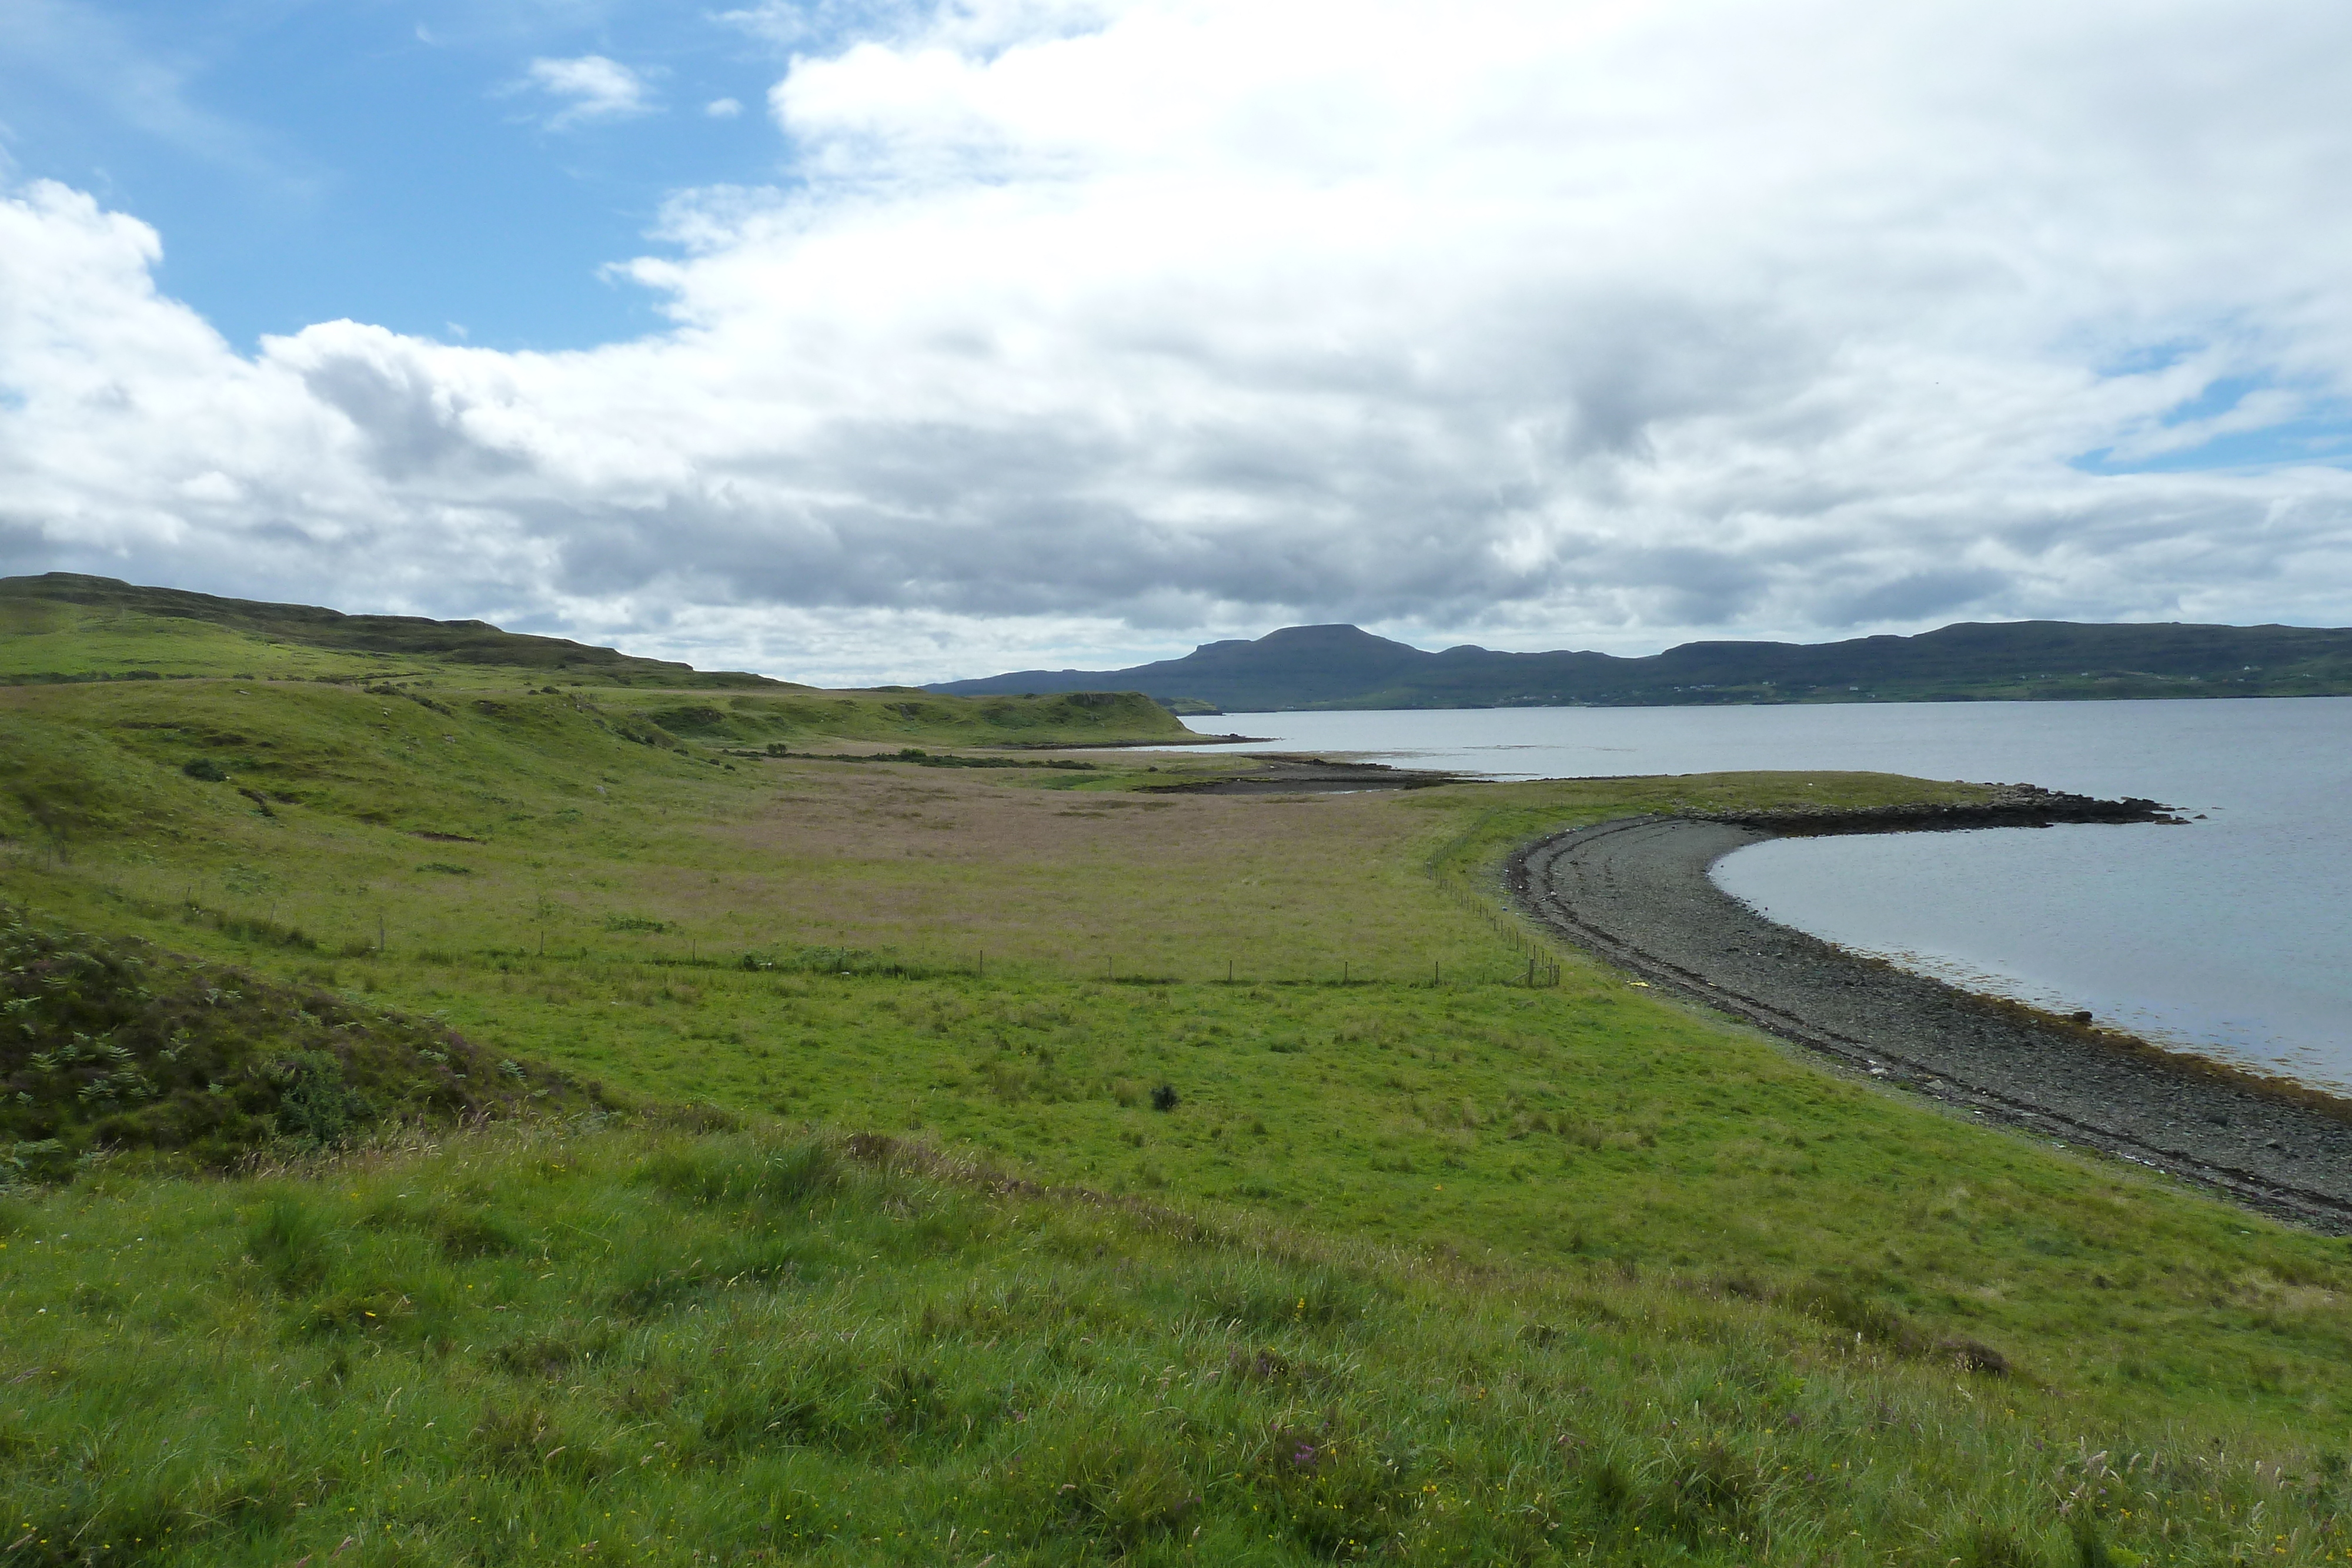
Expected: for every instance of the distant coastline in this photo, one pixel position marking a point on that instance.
(1307, 668)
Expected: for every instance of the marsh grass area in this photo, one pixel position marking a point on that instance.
(958, 1165)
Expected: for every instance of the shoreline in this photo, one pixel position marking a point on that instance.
(1154, 742)
(1296, 773)
(1637, 893)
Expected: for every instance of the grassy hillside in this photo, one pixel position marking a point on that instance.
(62, 624)
(1223, 1190)
(64, 629)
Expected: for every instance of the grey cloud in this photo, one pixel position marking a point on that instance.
(415, 426)
(1915, 596)
(25, 547)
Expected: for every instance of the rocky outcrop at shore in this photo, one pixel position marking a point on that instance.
(2016, 806)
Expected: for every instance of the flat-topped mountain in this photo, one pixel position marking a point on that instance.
(1347, 667)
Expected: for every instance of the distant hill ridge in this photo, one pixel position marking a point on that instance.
(415, 636)
(1347, 667)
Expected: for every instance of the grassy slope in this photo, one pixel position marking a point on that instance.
(64, 614)
(44, 639)
(1585, 1143)
(632, 1348)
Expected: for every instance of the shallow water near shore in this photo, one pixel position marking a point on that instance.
(2232, 937)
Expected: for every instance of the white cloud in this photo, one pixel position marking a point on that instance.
(723, 107)
(595, 87)
(1094, 331)
(798, 25)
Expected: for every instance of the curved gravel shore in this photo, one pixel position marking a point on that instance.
(1637, 893)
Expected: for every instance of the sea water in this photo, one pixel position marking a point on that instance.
(2230, 936)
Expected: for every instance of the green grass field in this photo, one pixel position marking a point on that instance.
(950, 1165)
(649, 1347)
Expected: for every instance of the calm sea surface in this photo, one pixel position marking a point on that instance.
(2232, 937)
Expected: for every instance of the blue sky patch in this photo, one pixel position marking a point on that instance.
(2309, 434)
(430, 168)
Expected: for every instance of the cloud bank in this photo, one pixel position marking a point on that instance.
(1080, 332)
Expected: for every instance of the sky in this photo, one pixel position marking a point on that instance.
(906, 341)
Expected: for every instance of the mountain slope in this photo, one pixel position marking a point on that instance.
(1342, 667)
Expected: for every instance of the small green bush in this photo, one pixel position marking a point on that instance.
(315, 1104)
(34, 1161)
